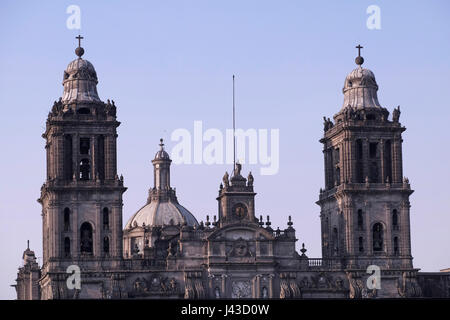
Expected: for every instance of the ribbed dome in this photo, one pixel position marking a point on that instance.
(360, 89)
(161, 213)
(162, 154)
(80, 82)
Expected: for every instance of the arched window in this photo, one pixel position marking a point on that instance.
(217, 292)
(360, 220)
(67, 247)
(395, 219)
(105, 218)
(66, 219)
(85, 169)
(265, 293)
(335, 241)
(106, 245)
(377, 236)
(361, 244)
(396, 248)
(86, 242)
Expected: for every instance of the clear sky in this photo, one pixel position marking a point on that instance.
(169, 63)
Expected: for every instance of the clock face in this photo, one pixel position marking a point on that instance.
(240, 211)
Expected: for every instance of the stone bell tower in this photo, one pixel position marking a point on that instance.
(365, 203)
(82, 196)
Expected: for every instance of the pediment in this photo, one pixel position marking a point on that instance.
(241, 232)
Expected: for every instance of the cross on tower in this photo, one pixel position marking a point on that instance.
(359, 47)
(79, 40)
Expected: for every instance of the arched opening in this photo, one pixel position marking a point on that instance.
(396, 247)
(84, 111)
(360, 220)
(395, 219)
(106, 245)
(265, 293)
(377, 236)
(217, 293)
(66, 219)
(86, 239)
(85, 169)
(361, 244)
(105, 218)
(68, 165)
(67, 247)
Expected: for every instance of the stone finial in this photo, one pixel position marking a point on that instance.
(303, 250)
(261, 222)
(290, 223)
(268, 223)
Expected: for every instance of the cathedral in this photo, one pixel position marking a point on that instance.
(164, 252)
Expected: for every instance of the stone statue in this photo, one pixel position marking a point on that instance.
(237, 170)
(225, 179)
(327, 124)
(396, 114)
(250, 179)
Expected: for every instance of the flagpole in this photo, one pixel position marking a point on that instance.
(234, 132)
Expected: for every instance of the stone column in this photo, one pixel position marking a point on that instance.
(405, 240)
(397, 160)
(271, 293)
(349, 213)
(116, 235)
(94, 156)
(110, 156)
(75, 231)
(389, 237)
(382, 162)
(75, 158)
(97, 237)
(58, 155)
(342, 168)
(365, 159)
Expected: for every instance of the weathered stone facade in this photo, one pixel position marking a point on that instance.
(164, 252)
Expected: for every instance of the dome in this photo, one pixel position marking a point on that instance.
(362, 77)
(80, 82)
(161, 154)
(360, 89)
(158, 213)
(162, 206)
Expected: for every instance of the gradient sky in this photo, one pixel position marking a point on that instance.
(169, 63)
